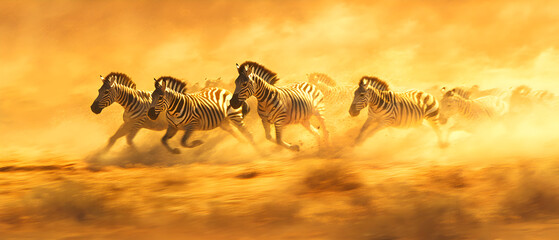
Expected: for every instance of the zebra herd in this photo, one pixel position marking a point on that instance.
(213, 107)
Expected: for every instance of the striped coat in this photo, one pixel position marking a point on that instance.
(393, 109)
(280, 106)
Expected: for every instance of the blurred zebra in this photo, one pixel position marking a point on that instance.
(200, 111)
(333, 93)
(523, 99)
(280, 106)
(393, 109)
(471, 112)
(118, 87)
(475, 91)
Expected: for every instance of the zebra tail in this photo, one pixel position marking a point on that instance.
(245, 109)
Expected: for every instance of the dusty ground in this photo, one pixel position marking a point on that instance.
(498, 183)
(399, 185)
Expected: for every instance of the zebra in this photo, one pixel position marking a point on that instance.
(470, 112)
(118, 87)
(479, 109)
(393, 109)
(200, 111)
(523, 99)
(280, 106)
(333, 93)
(474, 92)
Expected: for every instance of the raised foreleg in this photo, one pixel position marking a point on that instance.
(188, 130)
(171, 131)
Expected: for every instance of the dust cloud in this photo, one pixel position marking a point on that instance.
(498, 182)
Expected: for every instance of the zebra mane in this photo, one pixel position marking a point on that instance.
(322, 78)
(121, 79)
(264, 73)
(144, 94)
(459, 91)
(174, 84)
(375, 83)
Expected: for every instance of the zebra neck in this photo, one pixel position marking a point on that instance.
(263, 90)
(465, 106)
(177, 102)
(128, 98)
(378, 98)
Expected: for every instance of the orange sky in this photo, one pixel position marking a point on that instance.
(52, 52)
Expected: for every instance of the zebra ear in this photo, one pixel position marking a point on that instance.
(237, 65)
(364, 82)
(101, 76)
(112, 81)
(443, 90)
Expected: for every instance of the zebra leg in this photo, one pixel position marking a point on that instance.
(171, 131)
(364, 129)
(227, 127)
(280, 142)
(122, 130)
(187, 132)
(325, 133)
(312, 129)
(267, 130)
(437, 129)
(242, 128)
(137, 126)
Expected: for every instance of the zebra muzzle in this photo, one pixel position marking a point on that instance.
(152, 114)
(353, 112)
(95, 108)
(234, 102)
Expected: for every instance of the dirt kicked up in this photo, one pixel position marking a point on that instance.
(499, 182)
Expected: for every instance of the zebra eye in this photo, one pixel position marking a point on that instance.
(106, 91)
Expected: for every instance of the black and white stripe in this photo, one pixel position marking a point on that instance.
(393, 109)
(200, 111)
(118, 87)
(279, 106)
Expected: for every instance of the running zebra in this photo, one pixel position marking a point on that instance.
(118, 87)
(470, 113)
(393, 109)
(479, 109)
(333, 93)
(523, 99)
(200, 111)
(280, 106)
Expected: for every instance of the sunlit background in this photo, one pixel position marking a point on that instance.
(52, 53)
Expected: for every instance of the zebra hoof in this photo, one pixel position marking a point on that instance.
(194, 143)
(294, 148)
(175, 151)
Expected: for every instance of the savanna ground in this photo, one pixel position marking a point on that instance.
(399, 185)
(497, 183)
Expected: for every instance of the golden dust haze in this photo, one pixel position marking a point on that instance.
(499, 183)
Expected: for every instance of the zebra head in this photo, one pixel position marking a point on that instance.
(360, 97)
(450, 105)
(244, 86)
(158, 100)
(106, 97)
